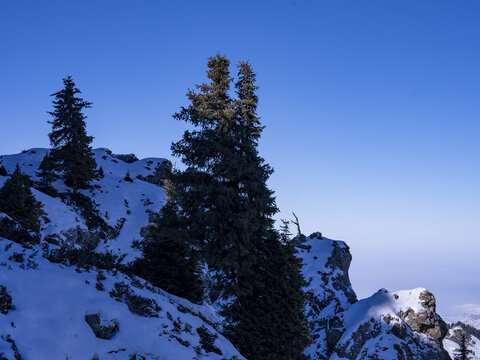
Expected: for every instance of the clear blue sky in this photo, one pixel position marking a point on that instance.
(372, 110)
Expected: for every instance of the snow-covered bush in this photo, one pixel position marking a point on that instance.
(78, 238)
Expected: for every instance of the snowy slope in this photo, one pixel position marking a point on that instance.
(51, 301)
(117, 198)
(452, 340)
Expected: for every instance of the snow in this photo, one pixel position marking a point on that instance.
(115, 197)
(51, 302)
(451, 346)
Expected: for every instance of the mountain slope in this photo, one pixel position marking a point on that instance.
(51, 302)
(61, 304)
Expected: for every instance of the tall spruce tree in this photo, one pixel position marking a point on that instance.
(18, 202)
(223, 194)
(71, 151)
(463, 352)
(168, 260)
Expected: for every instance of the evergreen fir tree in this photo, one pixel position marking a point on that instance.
(3, 171)
(71, 153)
(463, 352)
(168, 260)
(285, 234)
(224, 195)
(18, 202)
(46, 177)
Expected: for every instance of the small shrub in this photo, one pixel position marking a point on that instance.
(207, 340)
(5, 300)
(84, 258)
(128, 177)
(136, 304)
(128, 158)
(87, 208)
(80, 238)
(13, 231)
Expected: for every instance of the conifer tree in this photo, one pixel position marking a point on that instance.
(463, 352)
(224, 195)
(71, 153)
(168, 260)
(46, 177)
(18, 202)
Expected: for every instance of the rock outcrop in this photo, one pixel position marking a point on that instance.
(329, 292)
(401, 325)
(101, 327)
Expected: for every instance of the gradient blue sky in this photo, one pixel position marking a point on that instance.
(371, 107)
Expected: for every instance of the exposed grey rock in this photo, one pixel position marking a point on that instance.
(102, 328)
(329, 292)
(403, 323)
(426, 321)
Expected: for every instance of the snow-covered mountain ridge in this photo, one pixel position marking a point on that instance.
(58, 310)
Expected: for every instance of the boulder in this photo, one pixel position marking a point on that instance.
(101, 327)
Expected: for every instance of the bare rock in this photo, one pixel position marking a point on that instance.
(102, 328)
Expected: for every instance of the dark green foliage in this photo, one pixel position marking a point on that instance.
(224, 196)
(5, 300)
(128, 158)
(467, 328)
(162, 172)
(88, 209)
(18, 202)
(285, 234)
(47, 177)
(207, 340)
(268, 322)
(85, 258)
(136, 304)
(71, 153)
(12, 230)
(463, 352)
(100, 173)
(3, 171)
(167, 260)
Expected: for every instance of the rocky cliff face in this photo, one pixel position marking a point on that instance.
(401, 325)
(329, 292)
